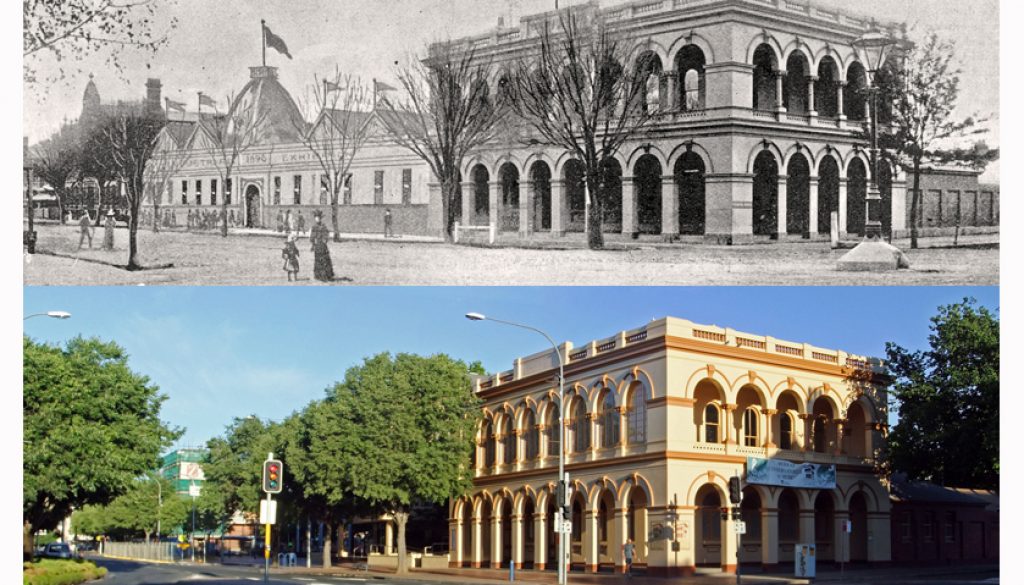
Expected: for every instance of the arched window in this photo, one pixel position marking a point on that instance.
(711, 424)
(580, 428)
(608, 418)
(531, 435)
(820, 441)
(508, 443)
(750, 417)
(691, 89)
(786, 431)
(554, 431)
(636, 416)
(488, 437)
(473, 455)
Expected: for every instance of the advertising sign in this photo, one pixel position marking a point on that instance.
(787, 474)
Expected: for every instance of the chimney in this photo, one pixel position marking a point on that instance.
(153, 100)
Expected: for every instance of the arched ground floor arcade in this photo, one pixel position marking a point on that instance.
(673, 512)
(724, 188)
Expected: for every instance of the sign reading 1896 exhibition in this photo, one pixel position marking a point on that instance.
(788, 474)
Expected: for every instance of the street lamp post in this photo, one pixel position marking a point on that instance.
(876, 46)
(563, 573)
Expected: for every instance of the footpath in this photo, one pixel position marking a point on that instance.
(703, 576)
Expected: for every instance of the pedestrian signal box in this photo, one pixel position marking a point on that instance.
(272, 476)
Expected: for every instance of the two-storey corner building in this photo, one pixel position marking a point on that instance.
(759, 129)
(657, 421)
(279, 173)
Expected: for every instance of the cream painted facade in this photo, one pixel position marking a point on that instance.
(648, 461)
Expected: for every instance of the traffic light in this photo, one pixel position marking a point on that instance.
(735, 494)
(272, 476)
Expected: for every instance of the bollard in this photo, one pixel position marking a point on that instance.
(511, 571)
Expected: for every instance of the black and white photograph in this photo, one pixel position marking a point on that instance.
(511, 142)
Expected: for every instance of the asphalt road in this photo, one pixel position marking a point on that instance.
(135, 573)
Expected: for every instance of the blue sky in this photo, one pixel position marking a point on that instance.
(219, 353)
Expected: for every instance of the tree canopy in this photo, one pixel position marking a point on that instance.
(91, 427)
(947, 398)
(70, 30)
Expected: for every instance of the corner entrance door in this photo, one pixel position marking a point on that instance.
(252, 206)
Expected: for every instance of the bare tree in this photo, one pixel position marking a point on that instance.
(130, 135)
(70, 30)
(338, 106)
(923, 93)
(443, 112)
(57, 161)
(164, 165)
(227, 138)
(575, 90)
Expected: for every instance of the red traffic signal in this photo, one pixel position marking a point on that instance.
(273, 472)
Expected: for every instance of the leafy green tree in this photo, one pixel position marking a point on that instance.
(91, 520)
(947, 398)
(397, 431)
(137, 510)
(233, 470)
(91, 426)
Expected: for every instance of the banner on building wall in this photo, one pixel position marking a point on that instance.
(788, 474)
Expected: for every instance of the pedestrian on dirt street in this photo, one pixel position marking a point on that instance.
(291, 258)
(627, 550)
(280, 222)
(108, 231)
(323, 270)
(388, 232)
(85, 225)
(302, 224)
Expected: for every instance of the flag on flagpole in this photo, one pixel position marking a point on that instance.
(331, 86)
(205, 100)
(275, 42)
(380, 86)
(173, 105)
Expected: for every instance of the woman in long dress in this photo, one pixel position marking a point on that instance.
(322, 268)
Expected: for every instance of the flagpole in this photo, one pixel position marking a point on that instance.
(263, 35)
(375, 94)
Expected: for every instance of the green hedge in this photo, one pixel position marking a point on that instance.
(61, 572)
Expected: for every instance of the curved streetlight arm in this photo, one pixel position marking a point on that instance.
(53, 314)
(563, 572)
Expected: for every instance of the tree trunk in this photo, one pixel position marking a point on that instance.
(915, 202)
(595, 238)
(401, 519)
(156, 211)
(224, 215)
(28, 542)
(60, 206)
(309, 543)
(147, 533)
(133, 248)
(327, 547)
(334, 213)
(449, 189)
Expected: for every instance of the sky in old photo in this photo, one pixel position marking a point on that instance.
(214, 43)
(225, 352)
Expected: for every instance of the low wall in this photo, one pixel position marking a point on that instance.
(416, 561)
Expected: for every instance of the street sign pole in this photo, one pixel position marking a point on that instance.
(266, 547)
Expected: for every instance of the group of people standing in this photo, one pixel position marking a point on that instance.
(323, 269)
(287, 223)
(210, 219)
(86, 230)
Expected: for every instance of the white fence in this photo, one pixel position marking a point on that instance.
(489, 228)
(153, 551)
